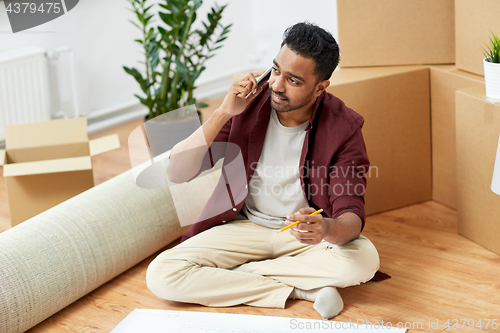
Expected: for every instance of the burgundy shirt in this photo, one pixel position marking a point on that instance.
(333, 161)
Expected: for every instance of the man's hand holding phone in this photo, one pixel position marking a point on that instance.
(242, 92)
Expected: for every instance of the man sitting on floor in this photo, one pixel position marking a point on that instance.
(303, 150)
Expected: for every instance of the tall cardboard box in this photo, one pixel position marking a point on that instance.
(47, 163)
(474, 22)
(445, 80)
(396, 32)
(478, 129)
(394, 102)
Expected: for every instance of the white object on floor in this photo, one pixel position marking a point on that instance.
(495, 182)
(152, 321)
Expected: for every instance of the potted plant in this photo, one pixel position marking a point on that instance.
(174, 56)
(492, 67)
(174, 52)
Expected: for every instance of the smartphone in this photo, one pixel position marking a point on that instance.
(262, 79)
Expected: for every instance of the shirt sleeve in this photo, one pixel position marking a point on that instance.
(348, 177)
(216, 152)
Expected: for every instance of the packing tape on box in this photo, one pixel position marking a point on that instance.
(57, 257)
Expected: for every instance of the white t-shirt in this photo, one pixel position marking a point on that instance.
(274, 190)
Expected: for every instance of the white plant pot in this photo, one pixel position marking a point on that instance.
(492, 79)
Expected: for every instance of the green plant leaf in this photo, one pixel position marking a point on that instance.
(221, 40)
(135, 24)
(491, 51)
(198, 4)
(142, 100)
(176, 9)
(154, 56)
(150, 33)
(162, 31)
(135, 73)
(147, 19)
(168, 19)
(181, 68)
(202, 105)
(192, 77)
(140, 17)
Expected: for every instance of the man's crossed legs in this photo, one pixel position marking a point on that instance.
(244, 263)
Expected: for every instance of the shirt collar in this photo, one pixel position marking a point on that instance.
(316, 111)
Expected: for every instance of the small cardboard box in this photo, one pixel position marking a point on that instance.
(474, 22)
(394, 102)
(478, 129)
(396, 32)
(445, 80)
(47, 163)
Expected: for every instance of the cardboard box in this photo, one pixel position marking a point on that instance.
(478, 129)
(395, 32)
(47, 163)
(445, 80)
(395, 104)
(474, 22)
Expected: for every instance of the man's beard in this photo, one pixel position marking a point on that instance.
(287, 107)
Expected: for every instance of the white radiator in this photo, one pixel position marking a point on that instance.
(24, 87)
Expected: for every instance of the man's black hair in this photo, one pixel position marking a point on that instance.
(310, 41)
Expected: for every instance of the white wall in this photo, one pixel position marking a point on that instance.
(270, 18)
(102, 39)
(258, 27)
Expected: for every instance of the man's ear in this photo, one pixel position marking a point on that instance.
(321, 86)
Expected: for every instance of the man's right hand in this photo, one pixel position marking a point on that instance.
(235, 102)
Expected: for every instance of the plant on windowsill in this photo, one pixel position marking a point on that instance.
(174, 52)
(492, 67)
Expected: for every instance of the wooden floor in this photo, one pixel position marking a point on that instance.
(437, 275)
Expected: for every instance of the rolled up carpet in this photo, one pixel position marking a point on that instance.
(55, 258)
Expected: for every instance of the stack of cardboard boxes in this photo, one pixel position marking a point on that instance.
(402, 63)
(477, 127)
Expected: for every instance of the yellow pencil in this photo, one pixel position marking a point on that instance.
(297, 222)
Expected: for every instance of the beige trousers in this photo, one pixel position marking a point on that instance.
(199, 269)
